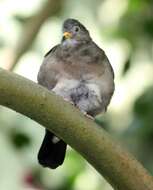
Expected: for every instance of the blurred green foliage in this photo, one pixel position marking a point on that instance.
(19, 139)
(140, 132)
(135, 27)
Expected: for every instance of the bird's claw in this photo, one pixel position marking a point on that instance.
(67, 100)
(88, 116)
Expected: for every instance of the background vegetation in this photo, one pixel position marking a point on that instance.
(124, 29)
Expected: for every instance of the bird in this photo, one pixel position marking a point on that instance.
(78, 70)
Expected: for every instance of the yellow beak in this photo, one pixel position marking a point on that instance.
(67, 35)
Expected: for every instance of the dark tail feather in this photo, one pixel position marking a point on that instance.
(51, 154)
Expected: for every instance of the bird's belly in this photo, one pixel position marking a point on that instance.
(85, 95)
(64, 86)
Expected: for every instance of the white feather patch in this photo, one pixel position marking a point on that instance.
(55, 139)
(65, 85)
(94, 87)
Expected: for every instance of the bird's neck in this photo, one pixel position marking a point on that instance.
(73, 43)
(70, 43)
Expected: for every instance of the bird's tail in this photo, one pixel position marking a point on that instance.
(52, 151)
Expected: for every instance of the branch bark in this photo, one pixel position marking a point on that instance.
(118, 166)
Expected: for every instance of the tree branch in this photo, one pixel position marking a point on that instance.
(91, 141)
(32, 27)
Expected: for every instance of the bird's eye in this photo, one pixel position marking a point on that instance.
(76, 29)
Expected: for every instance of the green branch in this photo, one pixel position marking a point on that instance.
(121, 169)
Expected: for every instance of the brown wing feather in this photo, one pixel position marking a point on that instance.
(47, 76)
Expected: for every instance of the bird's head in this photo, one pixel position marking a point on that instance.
(74, 31)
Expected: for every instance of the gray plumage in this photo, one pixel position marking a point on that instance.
(78, 70)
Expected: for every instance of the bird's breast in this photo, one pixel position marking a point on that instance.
(81, 70)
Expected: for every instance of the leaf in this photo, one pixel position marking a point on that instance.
(20, 139)
(127, 66)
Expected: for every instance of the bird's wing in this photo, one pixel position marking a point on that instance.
(104, 75)
(46, 75)
(106, 83)
(51, 50)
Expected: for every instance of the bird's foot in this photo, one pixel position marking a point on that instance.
(88, 116)
(67, 100)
